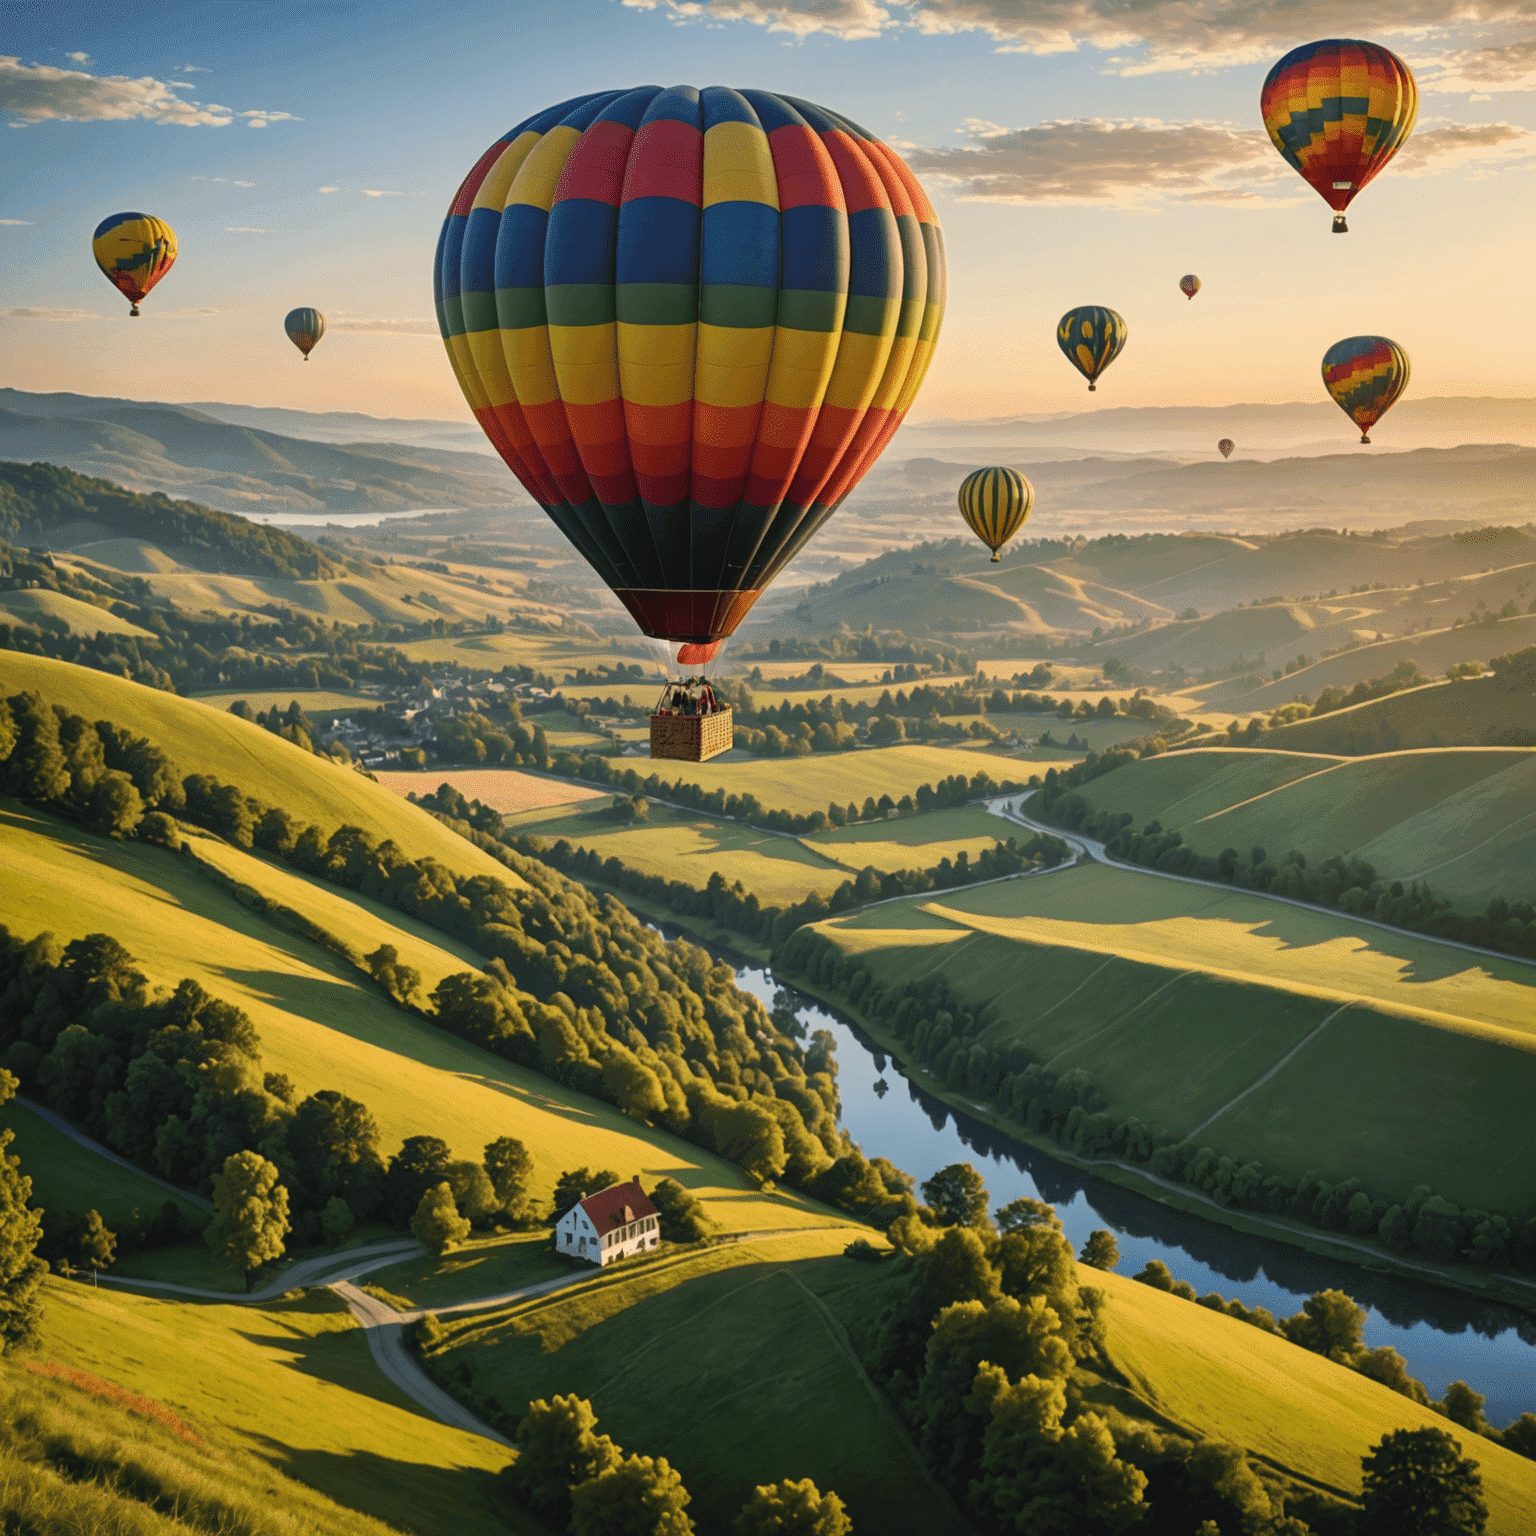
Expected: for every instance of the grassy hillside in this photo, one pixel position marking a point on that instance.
(205, 740)
(1285, 1406)
(1178, 999)
(286, 1388)
(323, 1025)
(50, 609)
(1459, 817)
(1469, 712)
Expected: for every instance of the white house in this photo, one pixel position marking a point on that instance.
(612, 1224)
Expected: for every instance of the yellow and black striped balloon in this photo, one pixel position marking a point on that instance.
(995, 503)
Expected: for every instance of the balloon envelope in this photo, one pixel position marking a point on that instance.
(1189, 285)
(305, 327)
(1365, 375)
(1338, 110)
(134, 251)
(1225, 447)
(689, 321)
(1091, 337)
(995, 502)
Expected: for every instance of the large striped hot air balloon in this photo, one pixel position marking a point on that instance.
(1338, 110)
(689, 321)
(1365, 375)
(304, 327)
(1091, 336)
(995, 502)
(134, 251)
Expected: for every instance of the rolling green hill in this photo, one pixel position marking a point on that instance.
(1471, 711)
(1460, 817)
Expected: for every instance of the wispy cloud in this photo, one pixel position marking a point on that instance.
(1145, 164)
(229, 180)
(78, 58)
(328, 189)
(186, 314)
(1509, 66)
(192, 69)
(15, 221)
(377, 192)
(383, 327)
(40, 93)
(25, 313)
(1145, 37)
(245, 229)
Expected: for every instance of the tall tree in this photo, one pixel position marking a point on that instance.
(510, 1170)
(641, 1496)
(21, 1271)
(788, 1508)
(558, 1446)
(1330, 1323)
(250, 1213)
(1101, 1251)
(958, 1196)
(421, 1163)
(1416, 1483)
(436, 1224)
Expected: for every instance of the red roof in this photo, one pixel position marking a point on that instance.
(617, 1205)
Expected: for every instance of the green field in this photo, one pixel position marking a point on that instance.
(914, 842)
(325, 1026)
(314, 701)
(1178, 998)
(292, 1383)
(1461, 817)
(1466, 713)
(732, 1365)
(204, 740)
(1218, 1377)
(82, 618)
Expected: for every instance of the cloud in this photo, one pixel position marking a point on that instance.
(329, 189)
(384, 327)
(40, 92)
(186, 314)
(245, 229)
(375, 192)
(1142, 163)
(1153, 35)
(192, 69)
(78, 58)
(49, 314)
(15, 221)
(1504, 67)
(228, 180)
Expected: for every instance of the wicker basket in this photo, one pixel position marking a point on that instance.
(692, 738)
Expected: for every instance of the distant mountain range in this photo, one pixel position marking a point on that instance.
(236, 467)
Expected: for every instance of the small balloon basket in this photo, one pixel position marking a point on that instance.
(690, 724)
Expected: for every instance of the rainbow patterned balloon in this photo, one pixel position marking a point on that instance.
(134, 251)
(689, 321)
(1365, 375)
(1338, 110)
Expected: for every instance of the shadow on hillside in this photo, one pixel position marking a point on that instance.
(408, 1495)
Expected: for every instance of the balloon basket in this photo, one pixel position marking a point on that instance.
(693, 738)
(1339, 226)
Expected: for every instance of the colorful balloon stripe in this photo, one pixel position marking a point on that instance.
(134, 251)
(689, 321)
(1365, 375)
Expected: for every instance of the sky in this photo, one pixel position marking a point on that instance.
(1077, 151)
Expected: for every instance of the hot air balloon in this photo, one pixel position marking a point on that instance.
(995, 502)
(689, 321)
(1092, 337)
(1225, 447)
(1338, 110)
(305, 327)
(134, 250)
(1365, 375)
(1189, 285)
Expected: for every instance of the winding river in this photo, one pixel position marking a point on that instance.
(1444, 1334)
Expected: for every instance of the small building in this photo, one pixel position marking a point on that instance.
(612, 1224)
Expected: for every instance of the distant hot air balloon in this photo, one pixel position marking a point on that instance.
(1091, 336)
(305, 327)
(1225, 447)
(995, 502)
(1189, 285)
(689, 321)
(134, 250)
(1365, 375)
(1338, 110)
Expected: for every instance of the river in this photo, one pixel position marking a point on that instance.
(1444, 1334)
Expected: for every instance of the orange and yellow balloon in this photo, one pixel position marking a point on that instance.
(134, 251)
(995, 503)
(1338, 110)
(1365, 375)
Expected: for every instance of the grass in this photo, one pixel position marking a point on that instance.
(1462, 814)
(503, 789)
(1464, 713)
(1178, 998)
(484, 1266)
(913, 842)
(324, 1025)
(288, 1386)
(314, 701)
(730, 1364)
(1285, 1406)
(67, 1176)
(274, 771)
(82, 618)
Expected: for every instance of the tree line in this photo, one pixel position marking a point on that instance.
(941, 1032)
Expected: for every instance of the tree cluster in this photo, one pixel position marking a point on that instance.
(939, 1031)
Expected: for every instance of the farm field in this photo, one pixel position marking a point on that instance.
(276, 772)
(1179, 998)
(292, 1383)
(1221, 1378)
(324, 1025)
(712, 1386)
(913, 842)
(1463, 815)
(503, 789)
(1468, 712)
(312, 701)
